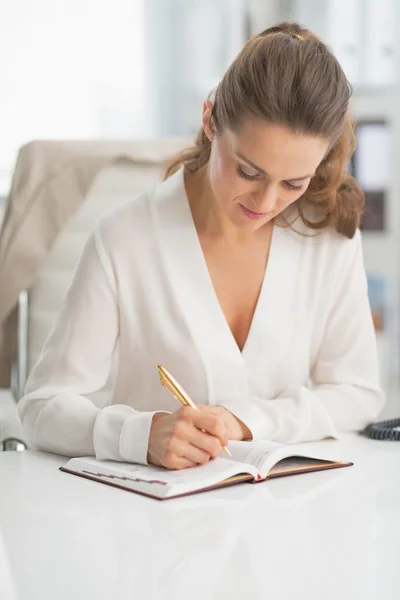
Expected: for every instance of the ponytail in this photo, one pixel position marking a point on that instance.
(192, 158)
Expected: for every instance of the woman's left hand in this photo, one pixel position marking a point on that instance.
(236, 429)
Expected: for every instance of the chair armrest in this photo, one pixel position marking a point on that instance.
(12, 435)
(13, 445)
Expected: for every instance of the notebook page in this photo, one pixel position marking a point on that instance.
(263, 455)
(253, 453)
(158, 481)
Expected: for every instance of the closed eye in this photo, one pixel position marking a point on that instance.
(290, 186)
(257, 176)
(247, 176)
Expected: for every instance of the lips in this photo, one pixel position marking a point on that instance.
(251, 214)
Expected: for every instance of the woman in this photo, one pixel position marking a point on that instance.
(242, 274)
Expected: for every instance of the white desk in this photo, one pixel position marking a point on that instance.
(332, 535)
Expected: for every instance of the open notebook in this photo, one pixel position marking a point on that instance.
(251, 461)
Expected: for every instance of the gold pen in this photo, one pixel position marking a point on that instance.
(178, 392)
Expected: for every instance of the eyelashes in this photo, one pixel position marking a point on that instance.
(290, 186)
(256, 177)
(241, 173)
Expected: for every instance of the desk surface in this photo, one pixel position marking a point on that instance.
(331, 535)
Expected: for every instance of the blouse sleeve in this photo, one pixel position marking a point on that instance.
(56, 412)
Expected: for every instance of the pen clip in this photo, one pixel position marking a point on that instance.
(171, 388)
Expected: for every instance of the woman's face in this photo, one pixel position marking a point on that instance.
(257, 173)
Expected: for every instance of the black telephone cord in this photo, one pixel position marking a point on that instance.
(384, 430)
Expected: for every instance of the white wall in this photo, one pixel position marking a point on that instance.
(71, 69)
(190, 44)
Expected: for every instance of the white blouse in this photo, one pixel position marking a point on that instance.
(308, 369)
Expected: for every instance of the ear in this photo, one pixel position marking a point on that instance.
(206, 120)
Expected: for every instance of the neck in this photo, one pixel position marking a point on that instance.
(209, 219)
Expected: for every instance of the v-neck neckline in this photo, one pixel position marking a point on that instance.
(226, 367)
(217, 305)
(215, 300)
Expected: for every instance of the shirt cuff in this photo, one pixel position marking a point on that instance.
(248, 412)
(134, 439)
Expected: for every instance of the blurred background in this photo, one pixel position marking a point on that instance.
(140, 70)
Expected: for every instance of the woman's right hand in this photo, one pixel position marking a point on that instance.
(186, 438)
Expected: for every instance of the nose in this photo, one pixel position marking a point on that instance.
(267, 198)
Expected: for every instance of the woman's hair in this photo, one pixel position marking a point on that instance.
(286, 75)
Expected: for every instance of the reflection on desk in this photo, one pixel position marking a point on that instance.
(332, 535)
(7, 587)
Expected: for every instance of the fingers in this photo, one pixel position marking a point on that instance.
(208, 443)
(194, 454)
(236, 429)
(187, 438)
(195, 445)
(182, 454)
(212, 423)
(188, 443)
(175, 462)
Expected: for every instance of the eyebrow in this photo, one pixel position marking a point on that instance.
(257, 168)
